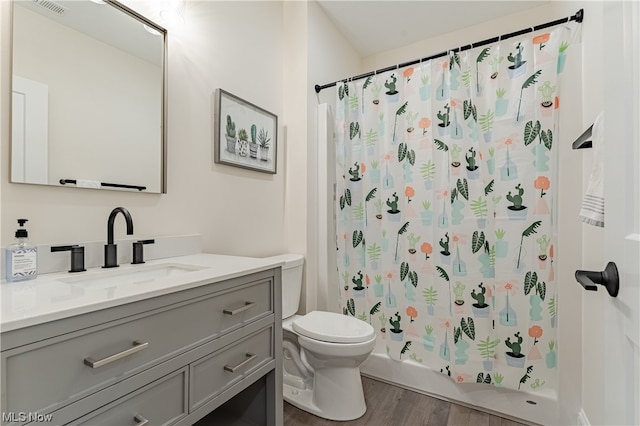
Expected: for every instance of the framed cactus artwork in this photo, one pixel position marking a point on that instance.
(245, 135)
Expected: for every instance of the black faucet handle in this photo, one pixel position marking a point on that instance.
(77, 256)
(138, 253)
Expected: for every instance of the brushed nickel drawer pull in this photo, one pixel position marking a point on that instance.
(137, 347)
(247, 306)
(250, 357)
(140, 421)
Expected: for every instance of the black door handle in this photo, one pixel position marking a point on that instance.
(608, 278)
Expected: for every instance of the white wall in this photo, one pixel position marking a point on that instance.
(294, 96)
(329, 57)
(237, 46)
(593, 318)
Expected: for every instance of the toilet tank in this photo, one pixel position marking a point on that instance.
(291, 282)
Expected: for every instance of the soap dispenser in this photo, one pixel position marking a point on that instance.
(21, 259)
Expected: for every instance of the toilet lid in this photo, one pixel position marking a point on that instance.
(334, 328)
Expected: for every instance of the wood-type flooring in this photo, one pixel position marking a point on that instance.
(389, 405)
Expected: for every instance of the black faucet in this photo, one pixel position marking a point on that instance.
(77, 256)
(138, 254)
(111, 249)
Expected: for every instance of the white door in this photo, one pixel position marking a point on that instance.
(621, 62)
(29, 131)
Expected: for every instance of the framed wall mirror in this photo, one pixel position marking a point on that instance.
(89, 96)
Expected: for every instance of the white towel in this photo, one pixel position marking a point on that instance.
(592, 211)
(86, 183)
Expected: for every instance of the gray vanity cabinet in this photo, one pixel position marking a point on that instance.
(171, 359)
(162, 402)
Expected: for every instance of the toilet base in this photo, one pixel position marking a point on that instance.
(347, 387)
(301, 398)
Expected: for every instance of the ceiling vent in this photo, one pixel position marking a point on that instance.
(51, 6)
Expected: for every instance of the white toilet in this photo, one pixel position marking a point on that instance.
(322, 353)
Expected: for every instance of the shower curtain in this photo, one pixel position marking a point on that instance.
(445, 210)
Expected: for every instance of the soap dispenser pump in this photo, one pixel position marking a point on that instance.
(21, 259)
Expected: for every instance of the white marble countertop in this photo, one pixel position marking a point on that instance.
(60, 295)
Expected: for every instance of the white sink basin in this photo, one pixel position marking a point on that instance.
(130, 275)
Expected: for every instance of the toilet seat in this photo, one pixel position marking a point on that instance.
(333, 328)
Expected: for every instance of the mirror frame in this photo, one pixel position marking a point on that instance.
(164, 98)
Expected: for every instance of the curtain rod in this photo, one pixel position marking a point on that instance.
(578, 17)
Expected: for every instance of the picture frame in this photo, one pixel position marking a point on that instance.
(245, 135)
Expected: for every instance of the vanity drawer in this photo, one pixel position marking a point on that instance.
(161, 402)
(211, 375)
(46, 375)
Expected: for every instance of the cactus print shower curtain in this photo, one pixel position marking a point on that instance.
(446, 205)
